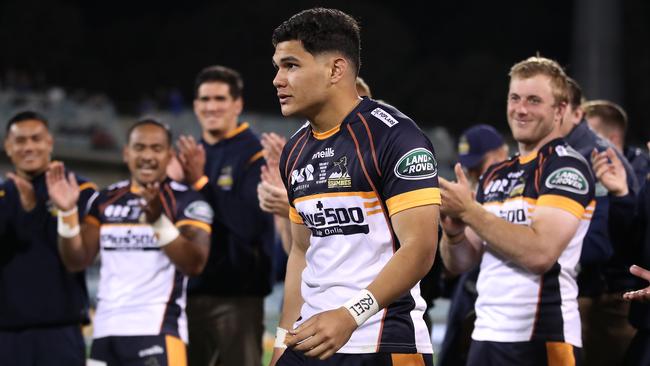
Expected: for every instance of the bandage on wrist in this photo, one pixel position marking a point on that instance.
(165, 231)
(362, 306)
(280, 335)
(68, 223)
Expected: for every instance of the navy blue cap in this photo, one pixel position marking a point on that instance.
(475, 142)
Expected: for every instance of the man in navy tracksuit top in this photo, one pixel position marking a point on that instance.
(603, 275)
(42, 306)
(226, 302)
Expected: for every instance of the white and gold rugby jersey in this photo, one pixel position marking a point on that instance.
(515, 305)
(140, 290)
(344, 185)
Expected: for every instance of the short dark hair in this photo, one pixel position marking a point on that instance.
(26, 116)
(223, 74)
(323, 30)
(611, 114)
(149, 121)
(574, 92)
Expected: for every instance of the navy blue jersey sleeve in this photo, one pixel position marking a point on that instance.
(566, 182)
(193, 210)
(409, 169)
(287, 158)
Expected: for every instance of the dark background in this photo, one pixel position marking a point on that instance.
(442, 63)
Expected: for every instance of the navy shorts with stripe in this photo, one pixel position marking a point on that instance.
(158, 350)
(294, 358)
(533, 353)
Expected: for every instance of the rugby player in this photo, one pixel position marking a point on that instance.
(362, 185)
(526, 230)
(152, 232)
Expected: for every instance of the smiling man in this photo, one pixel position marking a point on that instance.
(42, 306)
(361, 179)
(526, 230)
(226, 302)
(151, 232)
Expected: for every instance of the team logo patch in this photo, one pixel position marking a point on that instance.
(225, 180)
(416, 164)
(383, 116)
(340, 178)
(568, 179)
(199, 210)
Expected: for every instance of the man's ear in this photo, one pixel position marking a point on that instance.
(338, 69)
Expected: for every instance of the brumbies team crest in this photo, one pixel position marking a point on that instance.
(416, 164)
(340, 178)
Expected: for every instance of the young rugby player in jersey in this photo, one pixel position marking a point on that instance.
(526, 230)
(362, 185)
(152, 232)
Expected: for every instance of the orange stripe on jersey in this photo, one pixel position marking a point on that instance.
(373, 212)
(528, 158)
(256, 157)
(92, 220)
(407, 359)
(336, 194)
(371, 204)
(294, 217)
(560, 354)
(286, 166)
(419, 197)
(326, 134)
(176, 351)
(201, 225)
(561, 202)
(372, 144)
(87, 185)
(241, 128)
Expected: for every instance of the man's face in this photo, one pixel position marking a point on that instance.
(147, 154)
(302, 79)
(29, 145)
(532, 111)
(216, 109)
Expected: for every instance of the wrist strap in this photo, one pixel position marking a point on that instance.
(280, 335)
(165, 230)
(362, 306)
(199, 184)
(67, 223)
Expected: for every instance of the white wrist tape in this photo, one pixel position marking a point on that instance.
(280, 335)
(68, 226)
(165, 231)
(362, 306)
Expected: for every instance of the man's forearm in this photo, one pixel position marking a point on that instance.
(292, 296)
(518, 243)
(73, 253)
(458, 254)
(405, 268)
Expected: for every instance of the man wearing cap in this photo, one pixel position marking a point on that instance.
(479, 147)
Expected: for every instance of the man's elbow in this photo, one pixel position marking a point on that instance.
(540, 264)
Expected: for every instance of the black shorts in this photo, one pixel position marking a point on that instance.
(158, 350)
(534, 353)
(293, 358)
(43, 346)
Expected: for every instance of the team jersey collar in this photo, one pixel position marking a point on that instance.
(530, 157)
(363, 105)
(237, 131)
(137, 190)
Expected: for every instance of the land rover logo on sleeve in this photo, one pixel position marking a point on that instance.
(416, 164)
(568, 179)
